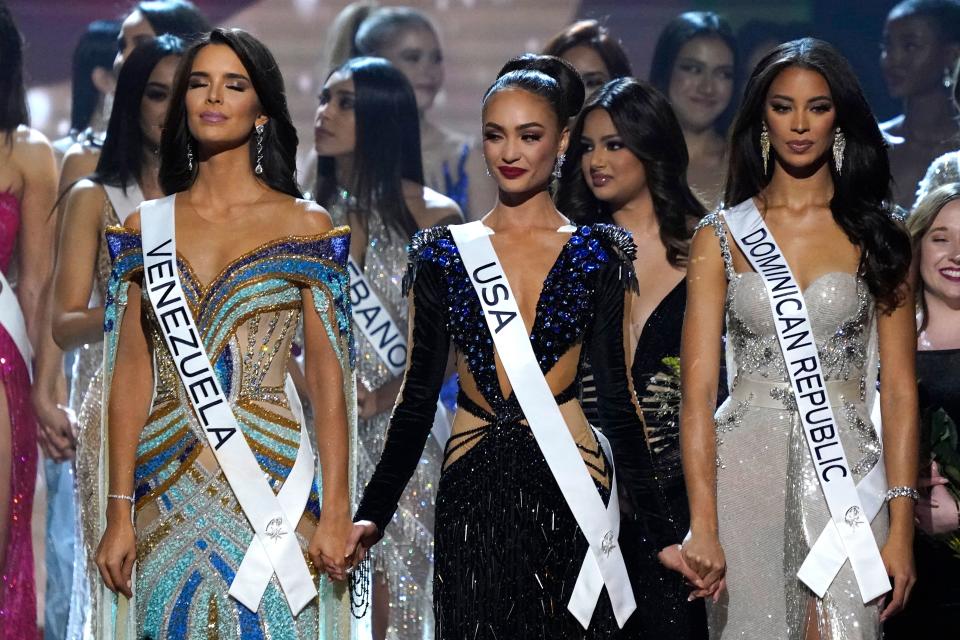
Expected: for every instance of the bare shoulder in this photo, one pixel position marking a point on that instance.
(430, 208)
(32, 146)
(79, 160)
(85, 195)
(133, 220)
(307, 217)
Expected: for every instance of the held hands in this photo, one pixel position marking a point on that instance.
(117, 550)
(364, 535)
(328, 541)
(897, 556)
(704, 556)
(55, 427)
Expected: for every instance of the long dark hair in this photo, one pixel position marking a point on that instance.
(861, 192)
(553, 79)
(177, 17)
(590, 33)
(279, 135)
(96, 49)
(13, 96)
(388, 144)
(121, 158)
(645, 122)
(680, 31)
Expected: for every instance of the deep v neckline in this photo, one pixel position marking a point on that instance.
(569, 228)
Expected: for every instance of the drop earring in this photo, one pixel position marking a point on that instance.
(765, 146)
(259, 168)
(558, 167)
(839, 146)
(190, 157)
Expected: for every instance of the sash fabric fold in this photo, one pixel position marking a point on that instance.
(852, 507)
(275, 548)
(604, 564)
(13, 322)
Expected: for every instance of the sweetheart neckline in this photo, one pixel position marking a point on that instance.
(810, 285)
(205, 289)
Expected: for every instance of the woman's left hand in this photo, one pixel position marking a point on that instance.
(328, 542)
(897, 557)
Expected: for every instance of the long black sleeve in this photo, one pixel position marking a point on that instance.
(619, 419)
(412, 418)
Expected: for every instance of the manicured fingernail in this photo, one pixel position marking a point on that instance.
(690, 598)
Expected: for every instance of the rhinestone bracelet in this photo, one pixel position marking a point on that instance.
(902, 492)
(120, 496)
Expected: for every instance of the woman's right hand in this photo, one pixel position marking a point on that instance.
(116, 554)
(704, 555)
(937, 512)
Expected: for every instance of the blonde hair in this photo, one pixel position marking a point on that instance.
(919, 222)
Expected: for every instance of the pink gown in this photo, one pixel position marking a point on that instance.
(18, 600)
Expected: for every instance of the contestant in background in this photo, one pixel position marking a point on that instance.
(370, 177)
(946, 168)
(253, 260)
(596, 55)
(508, 548)
(627, 165)
(694, 64)
(935, 229)
(92, 84)
(145, 20)
(452, 163)
(807, 152)
(921, 50)
(127, 173)
(28, 183)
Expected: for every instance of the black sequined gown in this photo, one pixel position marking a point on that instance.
(508, 549)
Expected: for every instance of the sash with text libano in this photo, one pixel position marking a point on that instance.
(275, 548)
(849, 517)
(603, 565)
(372, 318)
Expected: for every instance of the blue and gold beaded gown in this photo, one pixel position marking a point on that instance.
(191, 532)
(507, 547)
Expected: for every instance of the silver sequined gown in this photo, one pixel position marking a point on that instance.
(85, 400)
(405, 555)
(769, 502)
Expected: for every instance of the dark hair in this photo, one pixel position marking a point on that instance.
(279, 135)
(553, 79)
(753, 33)
(645, 122)
(178, 17)
(590, 33)
(943, 15)
(13, 96)
(96, 49)
(388, 144)
(861, 192)
(680, 31)
(121, 158)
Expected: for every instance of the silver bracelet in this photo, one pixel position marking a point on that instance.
(120, 496)
(902, 492)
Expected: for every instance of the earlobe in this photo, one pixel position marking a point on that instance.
(103, 79)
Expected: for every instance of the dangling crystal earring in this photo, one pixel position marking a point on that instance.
(259, 168)
(487, 168)
(189, 157)
(947, 78)
(839, 146)
(764, 145)
(558, 167)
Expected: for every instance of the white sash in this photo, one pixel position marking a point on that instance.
(275, 548)
(603, 564)
(13, 322)
(850, 535)
(371, 317)
(124, 203)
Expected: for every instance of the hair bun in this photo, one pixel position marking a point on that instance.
(571, 85)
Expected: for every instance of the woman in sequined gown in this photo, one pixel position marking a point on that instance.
(254, 260)
(366, 126)
(756, 505)
(627, 166)
(508, 550)
(452, 163)
(934, 227)
(28, 180)
(127, 161)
